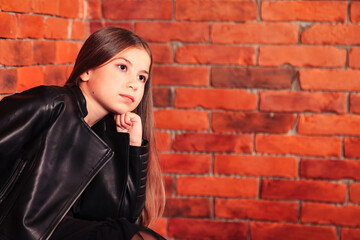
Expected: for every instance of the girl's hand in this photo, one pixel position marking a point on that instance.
(130, 122)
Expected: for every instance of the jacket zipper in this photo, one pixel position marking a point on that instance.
(77, 196)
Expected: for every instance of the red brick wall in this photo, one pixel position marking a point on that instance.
(39, 41)
(257, 105)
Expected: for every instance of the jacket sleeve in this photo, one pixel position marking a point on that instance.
(135, 161)
(118, 190)
(138, 167)
(22, 117)
(133, 200)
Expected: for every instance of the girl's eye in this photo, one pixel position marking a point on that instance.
(122, 67)
(142, 78)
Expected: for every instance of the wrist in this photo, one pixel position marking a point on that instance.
(135, 143)
(140, 150)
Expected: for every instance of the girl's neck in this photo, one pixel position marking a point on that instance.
(95, 112)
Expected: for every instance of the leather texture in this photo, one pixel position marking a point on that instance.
(52, 162)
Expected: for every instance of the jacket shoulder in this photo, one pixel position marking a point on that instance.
(42, 101)
(40, 96)
(43, 93)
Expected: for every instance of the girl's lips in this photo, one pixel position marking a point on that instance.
(128, 97)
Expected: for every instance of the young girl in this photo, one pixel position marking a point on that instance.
(79, 162)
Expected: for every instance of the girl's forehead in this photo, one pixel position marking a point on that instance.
(136, 57)
(132, 51)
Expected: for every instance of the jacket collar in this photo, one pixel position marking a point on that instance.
(80, 100)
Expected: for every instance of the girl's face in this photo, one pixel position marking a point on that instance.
(118, 85)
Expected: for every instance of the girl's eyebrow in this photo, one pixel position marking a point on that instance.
(126, 60)
(130, 63)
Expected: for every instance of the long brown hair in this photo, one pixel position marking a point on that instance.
(100, 47)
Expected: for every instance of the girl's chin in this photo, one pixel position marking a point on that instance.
(119, 112)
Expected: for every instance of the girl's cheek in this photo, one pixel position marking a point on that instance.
(138, 102)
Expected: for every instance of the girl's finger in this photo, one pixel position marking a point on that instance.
(117, 119)
(128, 119)
(123, 122)
(119, 128)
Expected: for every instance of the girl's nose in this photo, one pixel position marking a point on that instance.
(133, 83)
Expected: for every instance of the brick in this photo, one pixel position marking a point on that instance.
(144, 9)
(55, 75)
(328, 11)
(29, 77)
(218, 186)
(215, 54)
(320, 213)
(71, 8)
(162, 53)
(354, 192)
(298, 145)
(265, 166)
(175, 31)
(188, 207)
(82, 9)
(285, 231)
(44, 52)
(68, 70)
(66, 52)
(94, 10)
(355, 12)
(303, 190)
(96, 25)
(185, 228)
(342, 34)
(169, 183)
(16, 52)
(299, 101)
(329, 124)
(8, 25)
(255, 32)
(181, 119)
(240, 77)
(160, 227)
(8, 80)
(302, 56)
(209, 142)
(226, 99)
(78, 30)
(56, 28)
(16, 5)
(324, 169)
(185, 163)
(163, 141)
(179, 75)
(256, 209)
(46, 7)
(30, 26)
(162, 97)
(351, 147)
(252, 122)
(354, 58)
(354, 103)
(350, 234)
(335, 79)
(223, 10)
(119, 24)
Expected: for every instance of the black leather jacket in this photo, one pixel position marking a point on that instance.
(51, 162)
